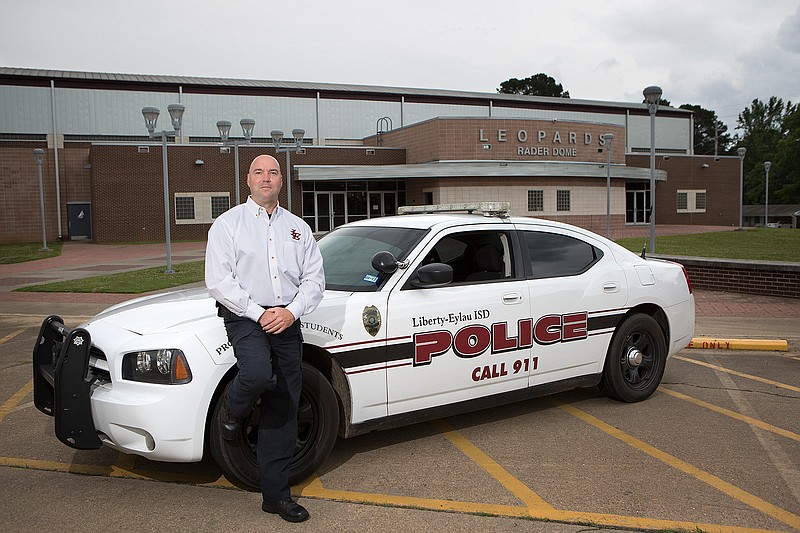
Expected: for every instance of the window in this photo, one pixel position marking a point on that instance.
(478, 256)
(553, 255)
(682, 201)
(219, 204)
(536, 200)
(562, 201)
(200, 207)
(184, 208)
(690, 201)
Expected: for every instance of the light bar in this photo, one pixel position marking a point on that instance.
(489, 209)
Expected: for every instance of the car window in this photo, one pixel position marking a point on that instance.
(347, 255)
(476, 256)
(554, 255)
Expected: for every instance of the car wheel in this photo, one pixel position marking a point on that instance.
(318, 425)
(635, 360)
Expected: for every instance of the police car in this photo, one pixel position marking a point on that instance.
(426, 314)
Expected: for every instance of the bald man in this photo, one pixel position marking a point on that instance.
(264, 269)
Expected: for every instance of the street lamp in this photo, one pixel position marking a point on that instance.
(224, 127)
(38, 155)
(150, 115)
(608, 137)
(767, 164)
(277, 137)
(741, 151)
(652, 95)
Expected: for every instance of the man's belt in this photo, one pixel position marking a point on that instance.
(224, 312)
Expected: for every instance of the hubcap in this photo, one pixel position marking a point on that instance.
(634, 357)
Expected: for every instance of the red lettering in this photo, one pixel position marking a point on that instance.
(525, 329)
(430, 344)
(575, 325)
(471, 341)
(500, 340)
(548, 329)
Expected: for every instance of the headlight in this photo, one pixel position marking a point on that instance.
(167, 367)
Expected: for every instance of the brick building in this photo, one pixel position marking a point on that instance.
(367, 150)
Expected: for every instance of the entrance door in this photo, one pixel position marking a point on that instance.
(330, 210)
(79, 217)
(382, 204)
(637, 206)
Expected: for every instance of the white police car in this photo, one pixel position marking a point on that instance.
(425, 315)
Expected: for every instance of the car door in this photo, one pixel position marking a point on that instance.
(577, 295)
(466, 339)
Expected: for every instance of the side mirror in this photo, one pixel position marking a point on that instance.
(433, 275)
(384, 262)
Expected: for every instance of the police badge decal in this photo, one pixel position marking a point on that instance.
(372, 320)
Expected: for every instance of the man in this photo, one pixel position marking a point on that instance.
(264, 269)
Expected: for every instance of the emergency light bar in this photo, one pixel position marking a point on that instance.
(489, 209)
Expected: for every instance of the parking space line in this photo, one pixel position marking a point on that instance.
(515, 486)
(728, 488)
(740, 374)
(733, 414)
(12, 402)
(11, 335)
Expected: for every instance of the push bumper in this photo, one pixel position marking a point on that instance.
(62, 384)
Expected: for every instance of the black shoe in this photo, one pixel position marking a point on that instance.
(229, 426)
(287, 508)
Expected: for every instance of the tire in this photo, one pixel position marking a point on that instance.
(635, 360)
(318, 425)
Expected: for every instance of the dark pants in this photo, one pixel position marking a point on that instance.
(270, 368)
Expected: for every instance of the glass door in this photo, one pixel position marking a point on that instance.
(331, 211)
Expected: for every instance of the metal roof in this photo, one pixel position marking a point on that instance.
(312, 87)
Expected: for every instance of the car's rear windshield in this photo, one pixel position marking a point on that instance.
(348, 251)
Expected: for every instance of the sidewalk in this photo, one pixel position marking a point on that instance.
(719, 314)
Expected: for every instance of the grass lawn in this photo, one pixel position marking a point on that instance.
(21, 253)
(760, 244)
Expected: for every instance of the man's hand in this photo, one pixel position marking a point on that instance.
(276, 319)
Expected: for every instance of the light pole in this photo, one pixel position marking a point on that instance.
(652, 95)
(224, 127)
(38, 155)
(608, 137)
(741, 151)
(277, 137)
(150, 118)
(767, 164)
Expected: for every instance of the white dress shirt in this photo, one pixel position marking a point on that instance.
(254, 261)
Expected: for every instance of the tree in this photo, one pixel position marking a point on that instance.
(770, 132)
(711, 135)
(538, 85)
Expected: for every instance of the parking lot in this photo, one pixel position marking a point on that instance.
(717, 448)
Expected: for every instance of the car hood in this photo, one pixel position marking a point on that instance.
(184, 310)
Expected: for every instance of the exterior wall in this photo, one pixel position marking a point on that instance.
(128, 188)
(689, 173)
(749, 277)
(587, 197)
(451, 139)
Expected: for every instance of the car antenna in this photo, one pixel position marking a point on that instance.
(643, 250)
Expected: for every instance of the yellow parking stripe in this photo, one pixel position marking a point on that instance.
(11, 335)
(731, 490)
(733, 414)
(12, 402)
(515, 486)
(740, 374)
(312, 488)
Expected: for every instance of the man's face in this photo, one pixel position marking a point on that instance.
(265, 180)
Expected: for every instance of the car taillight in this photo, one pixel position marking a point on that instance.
(686, 275)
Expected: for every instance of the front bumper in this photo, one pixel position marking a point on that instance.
(61, 382)
(93, 407)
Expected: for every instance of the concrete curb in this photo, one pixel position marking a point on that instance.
(714, 343)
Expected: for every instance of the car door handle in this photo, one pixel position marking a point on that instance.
(611, 287)
(511, 298)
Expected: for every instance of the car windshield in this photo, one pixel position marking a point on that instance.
(347, 253)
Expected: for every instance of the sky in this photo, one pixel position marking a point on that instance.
(718, 54)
